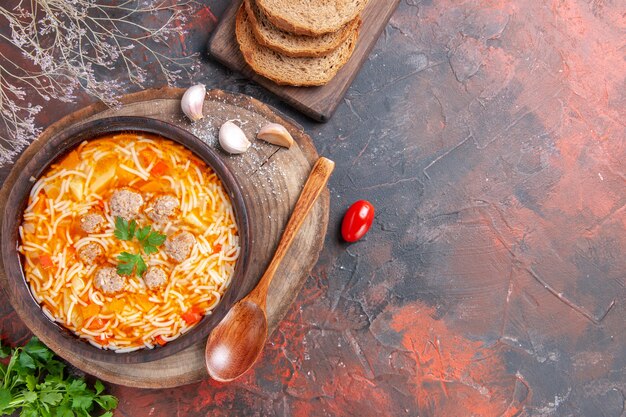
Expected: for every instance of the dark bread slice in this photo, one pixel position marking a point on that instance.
(286, 70)
(295, 45)
(311, 17)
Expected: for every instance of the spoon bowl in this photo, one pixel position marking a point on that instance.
(236, 343)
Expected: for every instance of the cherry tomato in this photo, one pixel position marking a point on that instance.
(357, 221)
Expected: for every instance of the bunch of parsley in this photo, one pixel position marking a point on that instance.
(35, 382)
(149, 240)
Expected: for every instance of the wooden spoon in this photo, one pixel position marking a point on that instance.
(237, 341)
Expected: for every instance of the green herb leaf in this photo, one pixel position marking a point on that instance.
(34, 384)
(38, 350)
(26, 361)
(142, 233)
(30, 412)
(141, 266)
(55, 367)
(149, 239)
(5, 351)
(130, 263)
(5, 398)
(98, 386)
(123, 229)
(29, 396)
(107, 402)
(82, 402)
(154, 240)
(77, 386)
(64, 411)
(52, 398)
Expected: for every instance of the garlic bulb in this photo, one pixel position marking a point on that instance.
(232, 138)
(192, 102)
(276, 134)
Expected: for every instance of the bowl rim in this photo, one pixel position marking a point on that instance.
(58, 146)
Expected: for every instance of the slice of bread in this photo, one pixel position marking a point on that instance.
(311, 17)
(295, 45)
(286, 70)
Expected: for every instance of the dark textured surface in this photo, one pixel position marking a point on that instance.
(490, 136)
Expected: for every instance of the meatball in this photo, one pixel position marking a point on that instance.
(154, 277)
(162, 207)
(108, 280)
(126, 203)
(178, 246)
(90, 253)
(92, 222)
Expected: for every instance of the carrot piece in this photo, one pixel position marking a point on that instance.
(160, 340)
(159, 168)
(97, 324)
(217, 248)
(116, 305)
(144, 302)
(46, 261)
(145, 156)
(197, 309)
(151, 187)
(191, 317)
(71, 160)
(91, 310)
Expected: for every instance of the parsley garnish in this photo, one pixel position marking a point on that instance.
(130, 263)
(35, 382)
(149, 240)
(124, 230)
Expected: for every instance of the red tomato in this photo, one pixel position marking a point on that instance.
(160, 341)
(357, 221)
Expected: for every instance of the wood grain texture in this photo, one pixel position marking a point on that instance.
(271, 179)
(318, 103)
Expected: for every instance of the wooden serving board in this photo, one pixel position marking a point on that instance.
(271, 179)
(318, 103)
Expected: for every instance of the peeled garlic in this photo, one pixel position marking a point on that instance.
(276, 134)
(232, 138)
(192, 102)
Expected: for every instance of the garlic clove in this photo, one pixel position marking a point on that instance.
(192, 102)
(276, 134)
(232, 138)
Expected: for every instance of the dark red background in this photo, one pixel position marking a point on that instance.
(490, 136)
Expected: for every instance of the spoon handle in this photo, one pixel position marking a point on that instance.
(312, 188)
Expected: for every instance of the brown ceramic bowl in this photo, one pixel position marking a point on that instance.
(59, 145)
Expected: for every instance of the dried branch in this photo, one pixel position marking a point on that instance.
(66, 45)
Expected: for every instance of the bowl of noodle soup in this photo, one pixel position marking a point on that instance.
(125, 240)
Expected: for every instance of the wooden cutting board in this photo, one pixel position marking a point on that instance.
(318, 103)
(271, 179)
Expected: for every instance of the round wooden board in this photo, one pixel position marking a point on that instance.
(271, 179)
